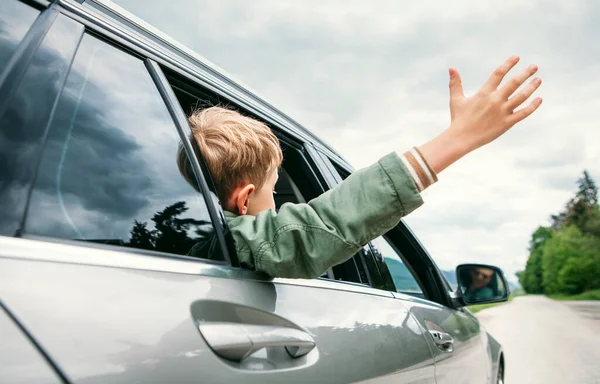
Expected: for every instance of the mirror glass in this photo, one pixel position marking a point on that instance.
(481, 283)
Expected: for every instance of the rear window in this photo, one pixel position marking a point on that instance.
(108, 172)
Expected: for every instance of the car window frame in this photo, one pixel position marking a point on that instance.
(198, 164)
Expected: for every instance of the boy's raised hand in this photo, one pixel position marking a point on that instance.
(483, 117)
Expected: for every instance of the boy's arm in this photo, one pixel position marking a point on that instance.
(304, 240)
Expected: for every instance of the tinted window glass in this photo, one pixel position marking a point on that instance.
(108, 171)
(15, 20)
(24, 121)
(403, 278)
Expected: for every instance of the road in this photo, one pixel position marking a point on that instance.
(547, 341)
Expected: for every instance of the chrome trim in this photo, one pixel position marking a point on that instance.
(27, 249)
(205, 72)
(337, 285)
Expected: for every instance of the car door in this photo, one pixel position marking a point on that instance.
(94, 264)
(456, 338)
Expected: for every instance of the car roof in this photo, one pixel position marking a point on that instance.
(189, 63)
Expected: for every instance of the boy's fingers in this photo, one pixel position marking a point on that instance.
(496, 78)
(513, 84)
(456, 90)
(524, 112)
(520, 97)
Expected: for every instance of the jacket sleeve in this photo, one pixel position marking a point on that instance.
(304, 240)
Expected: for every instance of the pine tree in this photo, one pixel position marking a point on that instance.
(582, 210)
(141, 237)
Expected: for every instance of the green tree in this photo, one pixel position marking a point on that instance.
(582, 210)
(565, 258)
(531, 278)
(571, 262)
(555, 253)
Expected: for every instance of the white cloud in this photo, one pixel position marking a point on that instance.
(371, 77)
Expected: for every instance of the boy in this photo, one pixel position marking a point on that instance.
(304, 240)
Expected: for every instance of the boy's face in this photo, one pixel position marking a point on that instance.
(262, 199)
(481, 277)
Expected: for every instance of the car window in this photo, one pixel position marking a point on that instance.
(108, 172)
(15, 20)
(33, 85)
(402, 276)
(298, 181)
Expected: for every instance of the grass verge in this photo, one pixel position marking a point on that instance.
(588, 295)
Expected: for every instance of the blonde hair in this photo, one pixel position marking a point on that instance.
(236, 149)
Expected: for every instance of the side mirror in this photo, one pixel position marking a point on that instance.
(480, 283)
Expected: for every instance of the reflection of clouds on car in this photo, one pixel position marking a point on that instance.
(28, 105)
(108, 173)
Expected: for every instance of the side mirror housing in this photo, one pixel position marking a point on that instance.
(480, 284)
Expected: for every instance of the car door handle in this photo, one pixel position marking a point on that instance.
(442, 339)
(237, 341)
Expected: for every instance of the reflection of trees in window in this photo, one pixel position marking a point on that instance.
(171, 233)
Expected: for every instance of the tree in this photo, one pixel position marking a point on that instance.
(565, 258)
(582, 210)
(571, 262)
(531, 278)
(141, 237)
(171, 233)
(555, 254)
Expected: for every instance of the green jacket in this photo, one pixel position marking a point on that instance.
(305, 240)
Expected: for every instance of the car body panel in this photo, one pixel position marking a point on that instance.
(468, 347)
(110, 323)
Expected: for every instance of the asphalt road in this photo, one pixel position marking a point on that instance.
(547, 341)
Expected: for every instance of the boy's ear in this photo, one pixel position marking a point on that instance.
(242, 199)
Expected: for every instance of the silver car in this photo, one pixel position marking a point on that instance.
(96, 221)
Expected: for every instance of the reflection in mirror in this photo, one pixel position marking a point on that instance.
(481, 283)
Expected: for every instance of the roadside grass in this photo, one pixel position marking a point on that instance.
(479, 307)
(588, 295)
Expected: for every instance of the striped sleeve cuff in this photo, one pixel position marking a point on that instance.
(419, 169)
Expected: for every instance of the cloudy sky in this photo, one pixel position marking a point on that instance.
(371, 77)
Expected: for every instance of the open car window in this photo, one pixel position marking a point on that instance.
(299, 180)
